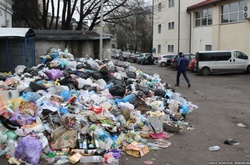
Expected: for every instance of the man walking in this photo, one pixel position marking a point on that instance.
(182, 64)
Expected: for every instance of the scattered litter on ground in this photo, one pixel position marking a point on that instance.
(241, 125)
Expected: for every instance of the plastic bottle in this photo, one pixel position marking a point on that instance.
(97, 146)
(214, 148)
(129, 98)
(91, 159)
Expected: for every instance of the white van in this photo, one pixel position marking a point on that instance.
(222, 61)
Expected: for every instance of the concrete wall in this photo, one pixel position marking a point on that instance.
(77, 48)
(234, 35)
(6, 13)
(170, 37)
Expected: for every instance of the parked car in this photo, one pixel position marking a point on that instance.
(133, 57)
(188, 56)
(145, 58)
(124, 56)
(165, 60)
(222, 61)
(116, 53)
(192, 65)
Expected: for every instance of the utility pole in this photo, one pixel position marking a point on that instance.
(101, 33)
(179, 26)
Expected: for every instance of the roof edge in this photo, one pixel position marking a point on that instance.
(202, 4)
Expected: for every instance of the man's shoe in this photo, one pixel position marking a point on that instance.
(189, 85)
(176, 85)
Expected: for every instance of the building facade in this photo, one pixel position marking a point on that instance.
(195, 25)
(6, 13)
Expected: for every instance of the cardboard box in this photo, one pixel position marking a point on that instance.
(6, 95)
(137, 149)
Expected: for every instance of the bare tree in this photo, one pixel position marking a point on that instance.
(26, 14)
(86, 9)
(134, 28)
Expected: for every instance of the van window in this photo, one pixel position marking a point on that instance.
(241, 55)
(223, 56)
(207, 56)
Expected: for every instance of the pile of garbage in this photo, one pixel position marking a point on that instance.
(84, 110)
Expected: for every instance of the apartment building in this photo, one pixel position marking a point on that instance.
(195, 25)
(6, 13)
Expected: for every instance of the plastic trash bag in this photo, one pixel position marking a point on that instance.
(54, 74)
(23, 119)
(19, 69)
(117, 90)
(31, 96)
(94, 65)
(29, 149)
(67, 140)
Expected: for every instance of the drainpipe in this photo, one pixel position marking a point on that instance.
(101, 33)
(190, 32)
(5, 13)
(178, 45)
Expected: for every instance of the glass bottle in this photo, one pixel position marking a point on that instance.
(85, 144)
(80, 141)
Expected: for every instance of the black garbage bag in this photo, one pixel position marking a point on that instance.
(131, 74)
(66, 80)
(145, 90)
(34, 86)
(80, 66)
(87, 66)
(104, 70)
(83, 75)
(89, 88)
(96, 75)
(67, 72)
(117, 90)
(105, 61)
(2, 78)
(27, 70)
(159, 92)
(108, 78)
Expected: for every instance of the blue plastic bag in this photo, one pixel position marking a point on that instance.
(31, 96)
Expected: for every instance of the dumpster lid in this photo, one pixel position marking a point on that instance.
(14, 32)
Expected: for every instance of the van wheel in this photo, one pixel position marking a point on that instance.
(248, 70)
(205, 71)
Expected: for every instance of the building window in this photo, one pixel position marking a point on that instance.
(159, 7)
(170, 3)
(159, 49)
(203, 17)
(159, 28)
(233, 12)
(170, 25)
(208, 47)
(170, 48)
